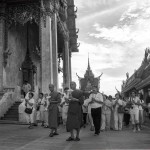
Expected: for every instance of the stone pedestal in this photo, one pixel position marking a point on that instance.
(55, 51)
(66, 66)
(2, 44)
(46, 54)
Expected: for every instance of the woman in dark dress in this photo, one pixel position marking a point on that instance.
(75, 115)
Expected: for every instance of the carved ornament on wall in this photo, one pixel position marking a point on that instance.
(37, 51)
(6, 54)
(23, 13)
(62, 28)
(34, 68)
(2, 16)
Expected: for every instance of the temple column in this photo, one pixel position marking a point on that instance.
(55, 51)
(70, 66)
(2, 43)
(66, 66)
(46, 54)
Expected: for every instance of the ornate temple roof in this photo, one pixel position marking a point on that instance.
(140, 78)
(89, 80)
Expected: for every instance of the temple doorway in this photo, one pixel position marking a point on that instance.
(28, 67)
(28, 70)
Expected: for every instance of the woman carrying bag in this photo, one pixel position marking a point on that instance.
(30, 110)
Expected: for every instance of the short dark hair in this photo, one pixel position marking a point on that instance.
(52, 85)
(94, 86)
(41, 94)
(118, 95)
(110, 96)
(66, 88)
(106, 96)
(134, 90)
(31, 94)
(72, 82)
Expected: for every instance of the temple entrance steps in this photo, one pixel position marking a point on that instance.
(1, 95)
(12, 114)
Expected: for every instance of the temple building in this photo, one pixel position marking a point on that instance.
(140, 79)
(86, 83)
(35, 36)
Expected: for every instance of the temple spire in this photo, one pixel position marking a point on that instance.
(88, 62)
(89, 71)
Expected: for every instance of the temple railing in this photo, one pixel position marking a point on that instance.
(9, 89)
(8, 99)
(5, 103)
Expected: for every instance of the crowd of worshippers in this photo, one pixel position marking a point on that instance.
(76, 109)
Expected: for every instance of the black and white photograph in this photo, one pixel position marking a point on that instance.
(74, 74)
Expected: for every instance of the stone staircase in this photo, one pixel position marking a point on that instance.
(1, 95)
(12, 114)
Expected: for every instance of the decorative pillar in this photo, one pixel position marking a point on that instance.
(55, 51)
(46, 54)
(66, 66)
(2, 42)
(70, 66)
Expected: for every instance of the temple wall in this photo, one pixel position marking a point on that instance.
(17, 43)
(17, 46)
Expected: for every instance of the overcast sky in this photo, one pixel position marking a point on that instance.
(115, 33)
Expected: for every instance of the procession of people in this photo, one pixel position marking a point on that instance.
(75, 110)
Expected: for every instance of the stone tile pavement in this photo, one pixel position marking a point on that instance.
(19, 137)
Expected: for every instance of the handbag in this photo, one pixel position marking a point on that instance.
(28, 110)
(38, 108)
(121, 109)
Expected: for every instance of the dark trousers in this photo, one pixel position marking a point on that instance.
(84, 118)
(126, 119)
(96, 115)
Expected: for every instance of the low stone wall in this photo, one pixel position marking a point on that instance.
(8, 99)
(6, 102)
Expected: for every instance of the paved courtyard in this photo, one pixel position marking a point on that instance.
(19, 137)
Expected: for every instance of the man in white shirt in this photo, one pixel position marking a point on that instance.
(96, 102)
(41, 108)
(87, 104)
(134, 111)
(65, 105)
(26, 88)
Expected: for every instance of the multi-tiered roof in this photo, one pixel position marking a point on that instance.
(89, 80)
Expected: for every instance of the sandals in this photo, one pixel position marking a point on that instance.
(55, 133)
(46, 126)
(77, 139)
(30, 127)
(51, 135)
(70, 139)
